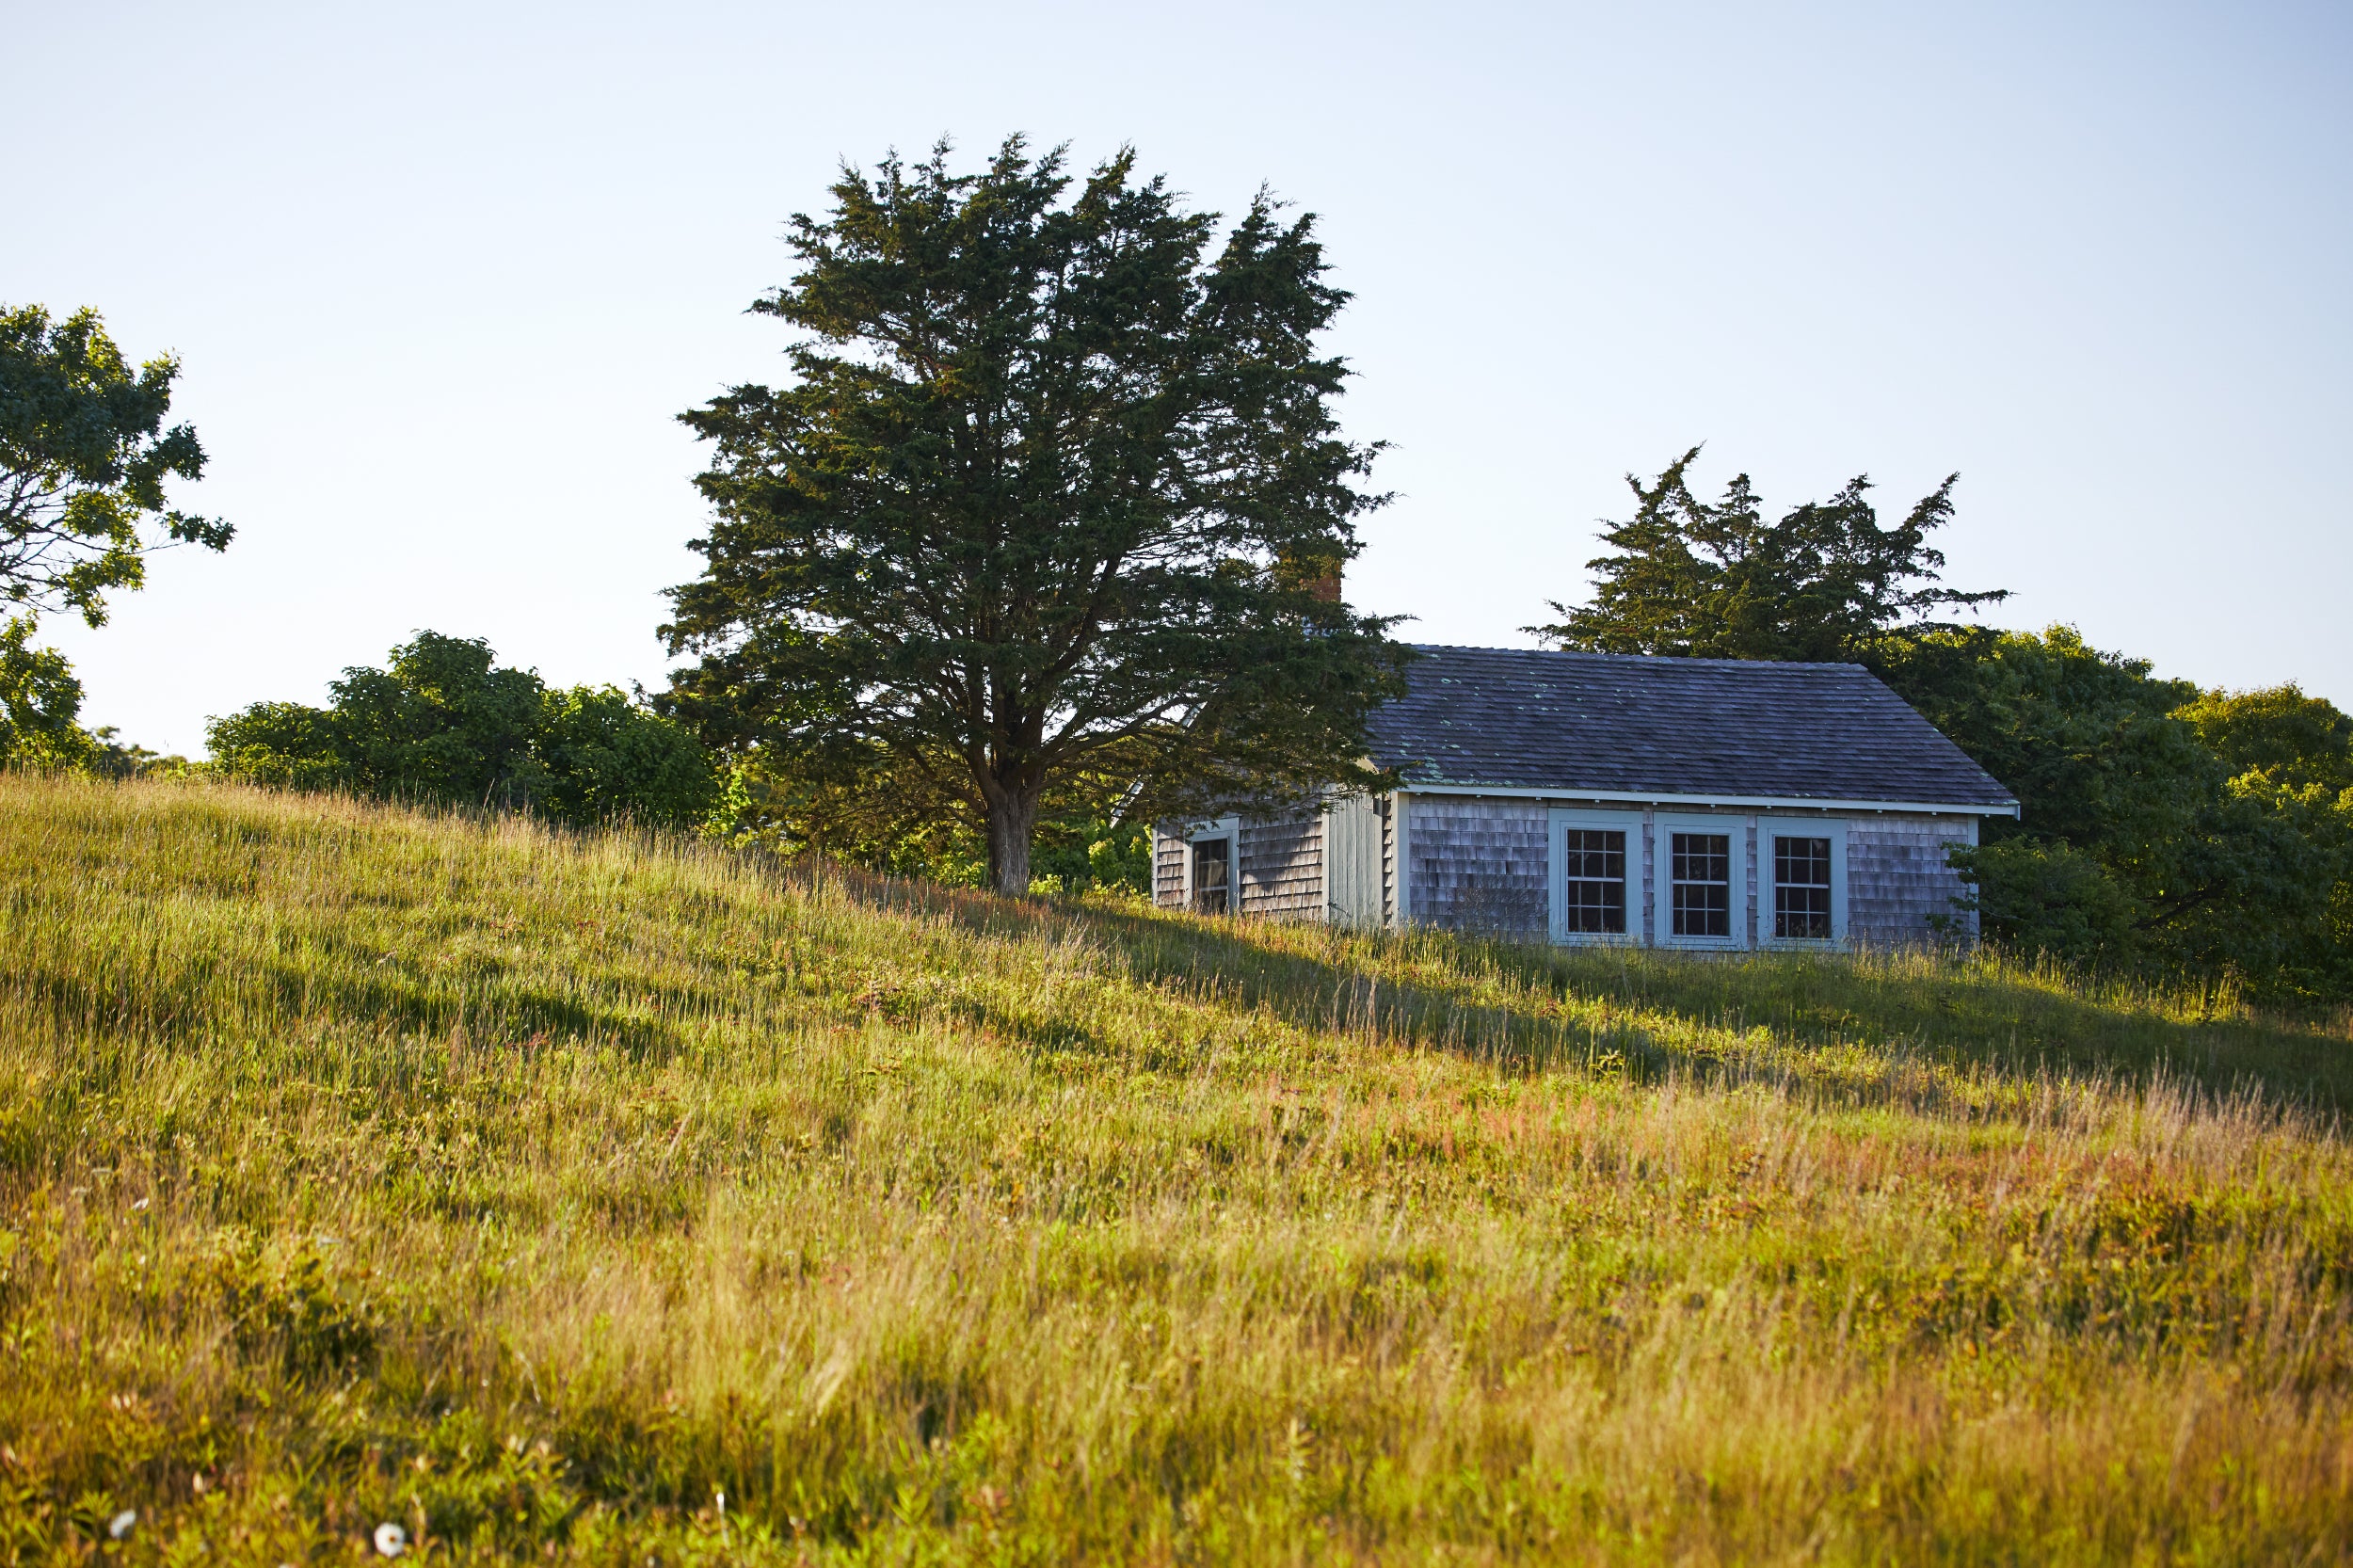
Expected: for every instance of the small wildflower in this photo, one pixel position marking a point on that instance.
(139, 1207)
(390, 1539)
(120, 1525)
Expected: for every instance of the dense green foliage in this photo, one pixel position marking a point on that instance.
(537, 1191)
(444, 724)
(40, 701)
(83, 462)
(2161, 827)
(1051, 508)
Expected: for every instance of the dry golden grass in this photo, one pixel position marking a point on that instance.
(532, 1191)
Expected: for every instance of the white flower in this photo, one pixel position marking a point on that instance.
(390, 1539)
(120, 1525)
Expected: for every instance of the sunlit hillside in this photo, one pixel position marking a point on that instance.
(626, 1200)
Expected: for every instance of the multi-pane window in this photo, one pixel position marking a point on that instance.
(1801, 888)
(1593, 881)
(1702, 884)
(1212, 875)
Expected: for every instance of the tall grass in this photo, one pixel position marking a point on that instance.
(536, 1192)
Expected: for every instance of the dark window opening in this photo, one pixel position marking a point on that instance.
(1593, 881)
(1212, 875)
(1703, 884)
(1801, 888)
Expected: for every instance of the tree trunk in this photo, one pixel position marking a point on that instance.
(1011, 819)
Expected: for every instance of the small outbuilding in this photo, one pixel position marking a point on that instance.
(1595, 797)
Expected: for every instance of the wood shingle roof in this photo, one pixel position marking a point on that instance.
(1626, 726)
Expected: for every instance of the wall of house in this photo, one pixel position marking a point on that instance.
(1898, 879)
(1483, 866)
(1281, 864)
(1278, 864)
(1477, 865)
(1168, 867)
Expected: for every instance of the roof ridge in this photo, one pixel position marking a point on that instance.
(1676, 658)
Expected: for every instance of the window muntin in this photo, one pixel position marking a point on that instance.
(1212, 875)
(1593, 881)
(1801, 888)
(1700, 866)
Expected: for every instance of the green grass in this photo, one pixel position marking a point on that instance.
(532, 1191)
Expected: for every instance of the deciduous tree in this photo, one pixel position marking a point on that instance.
(40, 701)
(84, 461)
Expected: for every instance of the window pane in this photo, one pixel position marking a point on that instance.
(1212, 868)
(1801, 888)
(1593, 881)
(1700, 866)
(1801, 860)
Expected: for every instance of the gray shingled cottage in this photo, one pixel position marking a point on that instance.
(1594, 797)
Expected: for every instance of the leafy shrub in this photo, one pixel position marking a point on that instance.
(444, 724)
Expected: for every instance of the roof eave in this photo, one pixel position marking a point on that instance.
(1668, 797)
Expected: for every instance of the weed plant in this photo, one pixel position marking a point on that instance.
(620, 1199)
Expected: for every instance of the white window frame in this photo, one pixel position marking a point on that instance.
(1217, 827)
(1557, 826)
(1662, 880)
(1832, 829)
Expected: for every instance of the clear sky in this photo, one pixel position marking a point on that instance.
(441, 276)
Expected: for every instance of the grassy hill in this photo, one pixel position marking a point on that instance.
(533, 1191)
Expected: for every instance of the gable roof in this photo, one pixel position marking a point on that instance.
(1624, 726)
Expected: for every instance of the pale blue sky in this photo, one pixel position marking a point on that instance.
(441, 276)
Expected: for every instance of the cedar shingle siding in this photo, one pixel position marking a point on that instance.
(1168, 871)
(1493, 743)
(1282, 865)
(1899, 878)
(1478, 864)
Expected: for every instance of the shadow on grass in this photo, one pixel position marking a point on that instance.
(1830, 1021)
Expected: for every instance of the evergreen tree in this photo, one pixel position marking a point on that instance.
(1054, 499)
(1717, 580)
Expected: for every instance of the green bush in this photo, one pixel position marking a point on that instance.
(444, 724)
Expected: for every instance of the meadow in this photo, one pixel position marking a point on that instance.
(625, 1199)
